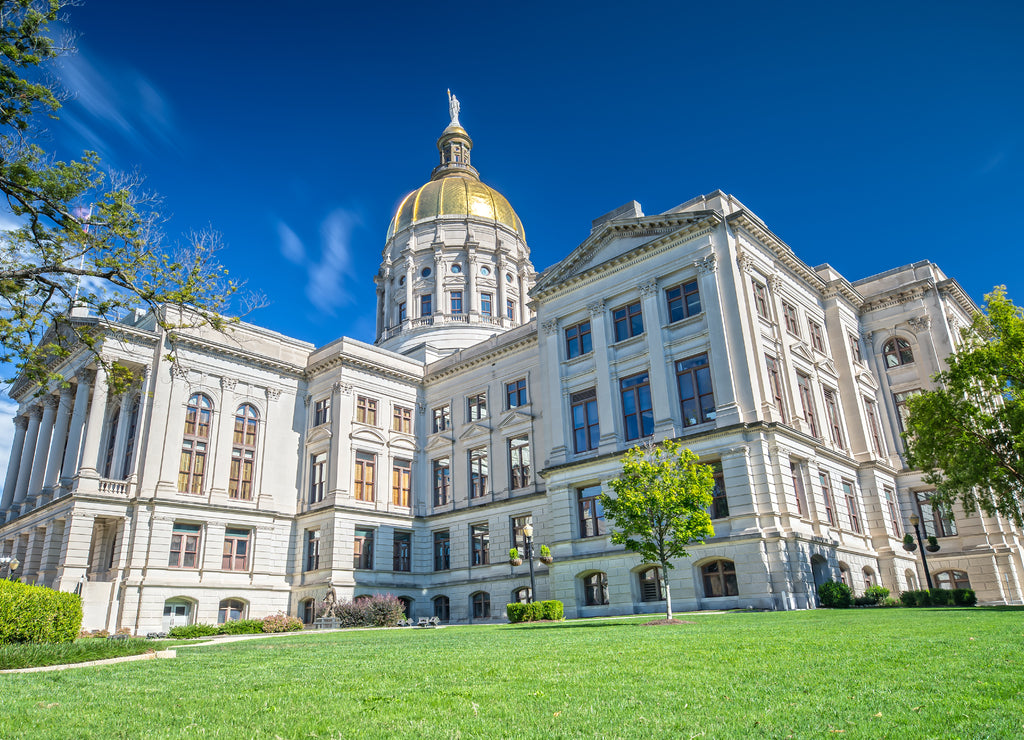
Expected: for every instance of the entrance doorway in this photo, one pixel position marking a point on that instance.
(176, 614)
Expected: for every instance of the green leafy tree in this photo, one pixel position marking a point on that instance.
(88, 245)
(968, 434)
(660, 504)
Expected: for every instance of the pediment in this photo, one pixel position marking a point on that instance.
(404, 442)
(801, 350)
(318, 434)
(513, 418)
(475, 430)
(828, 367)
(867, 379)
(365, 434)
(439, 442)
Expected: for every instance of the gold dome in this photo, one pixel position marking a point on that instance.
(455, 195)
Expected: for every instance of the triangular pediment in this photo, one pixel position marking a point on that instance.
(474, 430)
(513, 418)
(828, 367)
(439, 442)
(364, 434)
(801, 350)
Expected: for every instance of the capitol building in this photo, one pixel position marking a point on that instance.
(255, 471)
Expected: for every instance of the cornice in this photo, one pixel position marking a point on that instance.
(904, 293)
(341, 360)
(221, 350)
(779, 249)
(470, 362)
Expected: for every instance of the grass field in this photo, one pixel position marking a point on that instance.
(896, 673)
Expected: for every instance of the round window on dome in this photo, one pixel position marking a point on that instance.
(456, 268)
(426, 272)
(485, 270)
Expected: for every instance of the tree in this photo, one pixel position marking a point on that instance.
(660, 505)
(968, 434)
(85, 240)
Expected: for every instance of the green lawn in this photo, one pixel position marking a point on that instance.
(897, 673)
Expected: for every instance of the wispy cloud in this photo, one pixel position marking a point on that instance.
(327, 274)
(292, 248)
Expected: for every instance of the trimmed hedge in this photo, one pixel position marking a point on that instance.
(535, 611)
(835, 595)
(189, 631)
(38, 614)
(272, 623)
(940, 597)
(242, 627)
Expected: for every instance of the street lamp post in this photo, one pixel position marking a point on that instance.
(11, 563)
(528, 534)
(914, 521)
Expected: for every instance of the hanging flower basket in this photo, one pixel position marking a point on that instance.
(515, 562)
(547, 560)
(909, 546)
(932, 548)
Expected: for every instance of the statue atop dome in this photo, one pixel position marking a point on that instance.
(453, 108)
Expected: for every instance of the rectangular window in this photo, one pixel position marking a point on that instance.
(851, 506)
(510, 309)
(832, 412)
(426, 305)
(442, 478)
(798, 488)
(789, 315)
(478, 470)
(761, 301)
(236, 549)
(312, 549)
(900, 401)
(719, 501)
(402, 552)
(456, 301)
(485, 304)
(515, 393)
(518, 537)
(366, 470)
(240, 475)
(826, 494)
(192, 467)
(637, 413)
(591, 511)
(185, 546)
(317, 477)
(817, 337)
(854, 347)
(937, 520)
(401, 482)
(803, 383)
(476, 406)
(894, 518)
(441, 418)
(628, 321)
(322, 411)
(401, 419)
(366, 410)
(693, 376)
(402, 314)
(585, 430)
(775, 385)
(683, 301)
(519, 461)
(578, 340)
(876, 434)
(362, 549)
(442, 551)
(480, 544)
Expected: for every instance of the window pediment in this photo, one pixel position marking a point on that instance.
(514, 418)
(439, 442)
(474, 430)
(867, 379)
(828, 367)
(367, 434)
(802, 350)
(318, 435)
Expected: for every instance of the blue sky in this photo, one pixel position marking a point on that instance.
(866, 135)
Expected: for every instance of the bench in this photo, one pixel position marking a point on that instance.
(428, 622)
(119, 637)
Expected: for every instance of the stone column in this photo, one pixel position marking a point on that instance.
(661, 394)
(14, 463)
(51, 552)
(605, 389)
(388, 300)
(73, 560)
(27, 454)
(35, 484)
(502, 292)
(94, 429)
(70, 467)
(725, 361)
(554, 417)
(381, 323)
(218, 453)
(523, 315)
(57, 442)
(141, 423)
(410, 310)
(472, 305)
(339, 416)
(439, 284)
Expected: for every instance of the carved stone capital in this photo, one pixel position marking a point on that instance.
(596, 308)
(21, 422)
(421, 407)
(648, 287)
(85, 375)
(745, 262)
(920, 323)
(179, 371)
(51, 402)
(306, 399)
(550, 326)
(228, 384)
(273, 394)
(707, 265)
(775, 281)
(35, 411)
(343, 388)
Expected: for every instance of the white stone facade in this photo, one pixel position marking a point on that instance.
(255, 470)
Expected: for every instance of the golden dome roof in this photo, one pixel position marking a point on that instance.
(455, 195)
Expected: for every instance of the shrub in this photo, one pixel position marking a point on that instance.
(518, 612)
(965, 597)
(281, 623)
(190, 631)
(889, 601)
(553, 609)
(865, 601)
(878, 593)
(835, 595)
(242, 627)
(382, 610)
(908, 598)
(942, 597)
(38, 614)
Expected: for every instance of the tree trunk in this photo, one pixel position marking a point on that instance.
(668, 590)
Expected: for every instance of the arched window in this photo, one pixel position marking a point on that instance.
(243, 452)
(650, 585)
(230, 610)
(108, 459)
(595, 589)
(441, 608)
(911, 580)
(481, 605)
(307, 611)
(844, 574)
(897, 352)
(952, 579)
(869, 577)
(198, 415)
(521, 595)
(719, 578)
(129, 445)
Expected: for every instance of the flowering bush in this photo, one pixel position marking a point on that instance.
(379, 610)
(281, 623)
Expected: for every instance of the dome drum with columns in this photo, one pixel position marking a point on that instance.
(456, 269)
